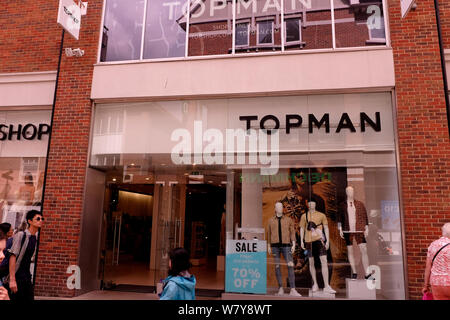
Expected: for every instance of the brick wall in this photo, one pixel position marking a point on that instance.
(63, 202)
(422, 132)
(29, 36)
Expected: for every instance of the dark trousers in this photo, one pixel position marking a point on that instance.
(24, 291)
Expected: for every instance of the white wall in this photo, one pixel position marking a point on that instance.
(27, 89)
(345, 71)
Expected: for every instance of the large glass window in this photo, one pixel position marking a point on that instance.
(203, 28)
(327, 168)
(165, 32)
(122, 30)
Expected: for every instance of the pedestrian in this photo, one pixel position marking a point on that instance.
(3, 292)
(180, 284)
(18, 282)
(7, 229)
(437, 270)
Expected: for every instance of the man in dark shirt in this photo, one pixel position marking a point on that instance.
(22, 251)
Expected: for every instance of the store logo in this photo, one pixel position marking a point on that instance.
(28, 131)
(211, 147)
(296, 121)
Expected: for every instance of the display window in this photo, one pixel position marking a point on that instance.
(295, 196)
(23, 150)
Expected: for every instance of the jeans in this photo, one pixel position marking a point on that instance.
(287, 254)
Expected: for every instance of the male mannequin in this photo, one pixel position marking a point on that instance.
(312, 225)
(354, 224)
(281, 240)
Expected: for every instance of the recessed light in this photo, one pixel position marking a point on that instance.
(114, 179)
(132, 164)
(147, 178)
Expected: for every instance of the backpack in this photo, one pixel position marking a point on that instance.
(4, 266)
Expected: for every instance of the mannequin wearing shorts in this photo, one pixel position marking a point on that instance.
(354, 224)
(312, 226)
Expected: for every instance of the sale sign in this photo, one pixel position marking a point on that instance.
(246, 266)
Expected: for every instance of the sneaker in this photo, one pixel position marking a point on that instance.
(294, 293)
(354, 276)
(280, 292)
(315, 288)
(329, 289)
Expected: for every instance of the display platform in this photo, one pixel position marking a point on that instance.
(357, 289)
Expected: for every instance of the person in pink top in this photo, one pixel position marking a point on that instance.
(437, 272)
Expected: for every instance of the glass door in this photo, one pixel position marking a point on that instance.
(170, 226)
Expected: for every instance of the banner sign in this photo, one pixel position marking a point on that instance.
(69, 17)
(246, 266)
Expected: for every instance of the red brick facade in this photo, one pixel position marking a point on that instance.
(422, 133)
(29, 42)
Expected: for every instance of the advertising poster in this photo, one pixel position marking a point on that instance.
(246, 270)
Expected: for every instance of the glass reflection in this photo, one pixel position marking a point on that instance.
(359, 23)
(165, 30)
(307, 24)
(263, 20)
(122, 30)
(210, 27)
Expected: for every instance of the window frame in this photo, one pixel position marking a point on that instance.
(265, 44)
(299, 31)
(247, 22)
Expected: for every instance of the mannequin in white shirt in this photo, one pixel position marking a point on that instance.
(352, 222)
(293, 292)
(323, 258)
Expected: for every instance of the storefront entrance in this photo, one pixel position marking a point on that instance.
(144, 221)
(208, 175)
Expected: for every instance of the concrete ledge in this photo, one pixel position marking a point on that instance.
(248, 75)
(27, 89)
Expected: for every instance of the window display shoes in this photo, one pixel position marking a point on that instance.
(315, 288)
(280, 292)
(354, 276)
(329, 289)
(294, 293)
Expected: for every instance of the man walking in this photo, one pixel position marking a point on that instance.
(23, 249)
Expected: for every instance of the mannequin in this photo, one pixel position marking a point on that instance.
(312, 225)
(282, 243)
(354, 224)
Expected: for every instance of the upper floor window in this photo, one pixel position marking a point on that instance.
(154, 29)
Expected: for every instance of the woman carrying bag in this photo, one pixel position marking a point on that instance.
(437, 270)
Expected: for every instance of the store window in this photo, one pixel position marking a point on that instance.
(265, 32)
(293, 34)
(205, 28)
(23, 149)
(242, 34)
(219, 181)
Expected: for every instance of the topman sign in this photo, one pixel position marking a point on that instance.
(69, 17)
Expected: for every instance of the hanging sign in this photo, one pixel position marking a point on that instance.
(406, 5)
(246, 266)
(69, 17)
